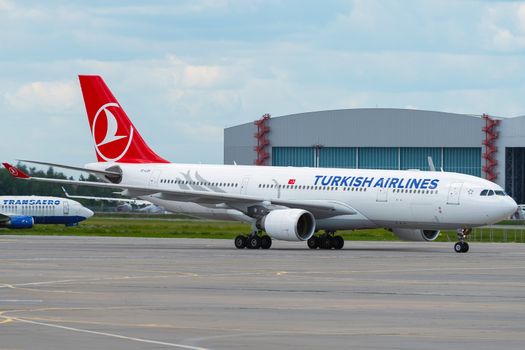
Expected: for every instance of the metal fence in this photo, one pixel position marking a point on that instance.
(493, 233)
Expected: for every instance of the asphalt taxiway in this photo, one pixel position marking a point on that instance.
(139, 293)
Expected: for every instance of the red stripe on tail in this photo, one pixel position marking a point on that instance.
(116, 138)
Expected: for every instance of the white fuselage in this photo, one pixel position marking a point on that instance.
(44, 209)
(381, 198)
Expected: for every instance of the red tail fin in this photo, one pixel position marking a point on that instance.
(16, 172)
(116, 138)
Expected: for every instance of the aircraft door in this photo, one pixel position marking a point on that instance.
(65, 205)
(382, 195)
(154, 178)
(454, 191)
(244, 185)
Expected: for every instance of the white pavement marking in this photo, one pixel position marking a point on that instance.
(21, 301)
(82, 280)
(174, 345)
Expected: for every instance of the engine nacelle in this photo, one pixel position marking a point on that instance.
(289, 224)
(20, 222)
(408, 234)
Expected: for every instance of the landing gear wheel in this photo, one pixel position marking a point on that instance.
(313, 242)
(253, 242)
(461, 247)
(324, 242)
(337, 242)
(266, 242)
(240, 242)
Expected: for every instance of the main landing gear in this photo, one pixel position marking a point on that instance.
(327, 240)
(253, 241)
(462, 246)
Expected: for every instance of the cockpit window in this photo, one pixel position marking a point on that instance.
(492, 193)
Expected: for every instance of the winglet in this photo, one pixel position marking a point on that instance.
(65, 192)
(16, 172)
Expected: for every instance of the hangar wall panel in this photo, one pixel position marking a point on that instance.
(417, 157)
(337, 157)
(462, 160)
(378, 158)
(465, 160)
(293, 156)
(239, 144)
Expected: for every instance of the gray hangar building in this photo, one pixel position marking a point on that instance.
(385, 138)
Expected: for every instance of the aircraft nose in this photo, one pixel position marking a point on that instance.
(87, 213)
(510, 206)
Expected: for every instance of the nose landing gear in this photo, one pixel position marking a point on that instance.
(462, 246)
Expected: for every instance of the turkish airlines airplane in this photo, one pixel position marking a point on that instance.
(25, 211)
(288, 203)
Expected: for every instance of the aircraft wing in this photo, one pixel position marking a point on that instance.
(4, 218)
(107, 199)
(90, 171)
(319, 208)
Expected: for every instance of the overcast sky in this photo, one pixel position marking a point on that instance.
(184, 70)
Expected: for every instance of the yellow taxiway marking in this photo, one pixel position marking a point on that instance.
(66, 282)
(6, 319)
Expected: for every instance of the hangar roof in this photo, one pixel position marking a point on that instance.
(369, 127)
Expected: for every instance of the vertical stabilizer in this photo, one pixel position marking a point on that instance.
(116, 138)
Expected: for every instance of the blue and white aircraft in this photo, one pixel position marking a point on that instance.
(288, 203)
(25, 211)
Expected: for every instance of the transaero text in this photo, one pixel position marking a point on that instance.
(31, 202)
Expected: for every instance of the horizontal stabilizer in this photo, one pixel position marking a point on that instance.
(91, 171)
(16, 172)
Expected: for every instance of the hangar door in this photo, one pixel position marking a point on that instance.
(515, 173)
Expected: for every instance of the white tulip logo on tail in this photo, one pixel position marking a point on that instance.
(107, 141)
(13, 171)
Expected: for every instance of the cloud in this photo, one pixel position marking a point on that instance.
(10, 10)
(201, 76)
(504, 27)
(48, 96)
(204, 132)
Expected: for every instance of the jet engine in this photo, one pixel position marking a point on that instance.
(19, 222)
(288, 224)
(408, 234)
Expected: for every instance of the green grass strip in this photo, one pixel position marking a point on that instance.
(175, 227)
